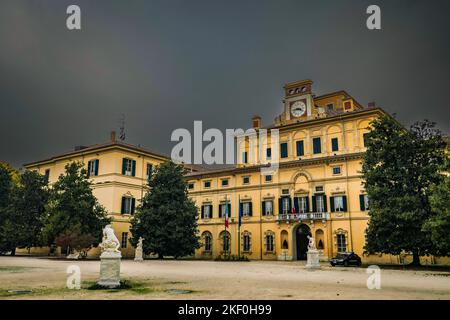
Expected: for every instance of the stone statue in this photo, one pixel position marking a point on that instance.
(312, 243)
(110, 242)
(138, 254)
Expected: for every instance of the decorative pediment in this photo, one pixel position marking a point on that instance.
(301, 191)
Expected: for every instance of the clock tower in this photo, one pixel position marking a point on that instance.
(298, 101)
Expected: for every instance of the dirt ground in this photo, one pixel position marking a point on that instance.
(170, 279)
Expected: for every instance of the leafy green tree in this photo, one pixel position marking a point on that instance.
(439, 224)
(72, 208)
(6, 185)
(167, 217)
(23, 222)
(399, 167)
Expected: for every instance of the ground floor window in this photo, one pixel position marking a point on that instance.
(207, 238)
(269, 242)
(226, 240)
(268, 208)
(246, 245)
(124, 239)
(341, 243)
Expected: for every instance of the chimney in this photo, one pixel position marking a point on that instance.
(113, 136)
(371, 104)
(256, 122)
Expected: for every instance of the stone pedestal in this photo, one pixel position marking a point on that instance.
(110, 269)
(313, 259)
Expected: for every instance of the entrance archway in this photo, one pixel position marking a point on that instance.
(301, 241)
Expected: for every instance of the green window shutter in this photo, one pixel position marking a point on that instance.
(280, 206)
(211, 211)
(314, 204)
(332, 204)
(133, 168)
(324, 203)
(344, 200)
(202, 212)
(300, 148)
(96, 166)
(284, 150)
(220, 211)
(133, 205)
(361, 203)
(122, 208)
(290, 205)
(296, 205)
(89, 168)
(263, 208)
(307, 203)
(124, 166)
(334, 144)
(250, 209)
(229, 209)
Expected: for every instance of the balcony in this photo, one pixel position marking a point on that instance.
(294, 217)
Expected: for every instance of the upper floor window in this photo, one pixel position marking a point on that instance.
(286, 204)
(303, 205)
(267, 207)
(207, 211)
(207, 184)
(245, 180)
(246, 209)
(225, 182)
(190, 185)
(336, 170)
(149, 170)
(338, 203)
(128, 167)
(334, 144)
(317, 146)
(269, 153)
(330, 107)
(128, 205)
(284, 150)
(47, 174)
(93, 168)
(319, 203)
(364, 202)
(244, 157)
(300, 148)
(341, 243)
(268, 178)
(366, 139)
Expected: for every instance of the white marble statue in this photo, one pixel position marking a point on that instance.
(110, 242)
(138, 254)
(311, 243)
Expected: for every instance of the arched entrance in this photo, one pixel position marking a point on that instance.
(301, 241)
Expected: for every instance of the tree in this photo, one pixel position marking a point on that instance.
(439, 224)
(399, 167)
(23, 222)
(167, 217)
(72, 208)
(5, 194)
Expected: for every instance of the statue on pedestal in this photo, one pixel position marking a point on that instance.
(312, 255)
(311, 243)
(138, 254)
(110, 259)
(110, 242)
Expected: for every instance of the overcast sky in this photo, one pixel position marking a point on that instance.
(167, 63)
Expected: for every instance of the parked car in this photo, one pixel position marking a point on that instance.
(346, 259)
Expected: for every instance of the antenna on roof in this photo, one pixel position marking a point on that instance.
(122, 127)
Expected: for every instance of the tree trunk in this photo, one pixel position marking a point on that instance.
(160, 256)
(13, 252)
(416, 258)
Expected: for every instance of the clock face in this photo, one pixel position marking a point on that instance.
(298, 108)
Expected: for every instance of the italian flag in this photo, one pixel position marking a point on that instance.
(226, 213)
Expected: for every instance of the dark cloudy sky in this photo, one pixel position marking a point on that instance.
(167, 63)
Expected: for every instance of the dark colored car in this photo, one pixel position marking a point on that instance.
(346, 259)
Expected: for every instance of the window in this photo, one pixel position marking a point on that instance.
(124, 239)
(246, 209)
(246, 242)
(334, 144)
(128, 167)
(128, 205)
(320, 206)
(267, 208)
(300, 148)
(191, 186)
(244, 157)
(207, 184)
(317, 148)
(336, 170)
(285, 191)
(319, 189)
(303, 205)
(208, 241)
(224, 208)
(269, 153)
(207, 211)
(366, 139)
(286, 203)
(245, 180)
(284, 150)
(47, 174)
(347, 105)
(364, 202)
(149, 170)
(338, 203)
(341, 243)
(269, 243)
(330, 107)
(224, 182)
(226, 239)
(268, 178)
(93, 168)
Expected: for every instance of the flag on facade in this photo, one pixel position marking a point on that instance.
(293, 208)
(240, 212)
(226, 213)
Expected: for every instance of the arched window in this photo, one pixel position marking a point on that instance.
(207, 241)
(225, 239)
(340, 240)
(319, 239)
(269, 241)
(284, 240)
(246, 242)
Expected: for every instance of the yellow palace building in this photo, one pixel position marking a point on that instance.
(316, 191)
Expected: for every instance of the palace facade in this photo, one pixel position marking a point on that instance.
(315, 191)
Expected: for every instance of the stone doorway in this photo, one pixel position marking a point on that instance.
(301, 240)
